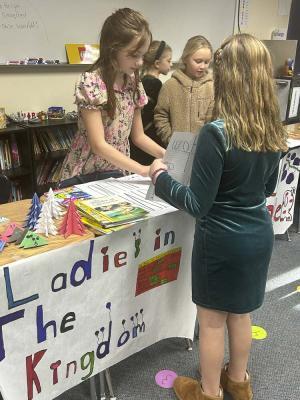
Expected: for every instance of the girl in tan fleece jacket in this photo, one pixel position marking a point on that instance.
(186, 100)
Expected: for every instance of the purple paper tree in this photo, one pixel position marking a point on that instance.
(34, 212)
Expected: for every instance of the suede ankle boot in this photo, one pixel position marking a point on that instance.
(190, 389)
(237, 390)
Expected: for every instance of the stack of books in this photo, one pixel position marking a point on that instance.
(109, 213)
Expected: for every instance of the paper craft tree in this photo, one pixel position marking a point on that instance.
(53, 205)
(6, 235)
(21, 236)
(32, 240)
(9, 230)
(71, 222)
(18, 233)
(34, 212)
(45, 223)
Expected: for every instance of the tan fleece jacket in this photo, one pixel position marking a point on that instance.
(183, 105)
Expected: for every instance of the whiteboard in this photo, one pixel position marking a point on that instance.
(41, 28)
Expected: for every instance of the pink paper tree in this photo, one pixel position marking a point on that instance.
(71, 222)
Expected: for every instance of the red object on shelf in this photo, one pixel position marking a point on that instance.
(71, 223)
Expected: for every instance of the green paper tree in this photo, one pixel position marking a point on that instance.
(32, 240)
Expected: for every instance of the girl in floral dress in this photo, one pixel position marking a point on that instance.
(109, 99)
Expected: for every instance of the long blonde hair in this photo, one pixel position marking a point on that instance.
(245, 95)
(118, 30)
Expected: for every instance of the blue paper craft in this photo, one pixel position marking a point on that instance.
(34, 212)
(2, 244)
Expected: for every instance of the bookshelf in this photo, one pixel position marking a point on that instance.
(32, 155)
(14, 160)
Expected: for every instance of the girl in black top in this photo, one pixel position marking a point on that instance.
(156, 61)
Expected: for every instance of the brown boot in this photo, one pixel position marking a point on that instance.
(237, 390)
(190, 389)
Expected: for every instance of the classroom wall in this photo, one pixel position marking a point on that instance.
(35, 91)
(264, 18)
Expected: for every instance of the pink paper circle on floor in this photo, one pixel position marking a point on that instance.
(165, 378)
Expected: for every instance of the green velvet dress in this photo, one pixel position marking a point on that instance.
(233, 235)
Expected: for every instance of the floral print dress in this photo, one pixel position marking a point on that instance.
(91, 93)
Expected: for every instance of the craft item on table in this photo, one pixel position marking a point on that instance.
(53, 205)
(3, 220)
(32, 239)
(9, 230)
(34, 212)
(21, 237)
(45, 223)
(2, 244)
(17, 234)
(71, 222)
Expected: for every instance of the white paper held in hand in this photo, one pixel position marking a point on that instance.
(179, 159)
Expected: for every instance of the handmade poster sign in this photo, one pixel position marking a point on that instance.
(67, 314)
(281, 205)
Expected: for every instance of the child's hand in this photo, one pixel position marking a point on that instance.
(158, 163)
(144, 170)
(156, 168)
(163, 152)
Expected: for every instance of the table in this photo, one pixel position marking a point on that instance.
(78, 306)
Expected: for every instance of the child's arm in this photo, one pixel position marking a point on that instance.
(143, 141)
(162, 115)
(95, 133)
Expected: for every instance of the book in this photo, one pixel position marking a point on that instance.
(98, 228)
(64, 195)
(110, 211)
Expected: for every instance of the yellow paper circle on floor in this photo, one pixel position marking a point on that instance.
(298, 288)
(258, 332)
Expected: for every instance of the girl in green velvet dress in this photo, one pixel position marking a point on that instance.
(235, 168)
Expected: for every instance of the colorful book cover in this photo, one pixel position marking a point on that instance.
(111, 210)
(64, 195)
